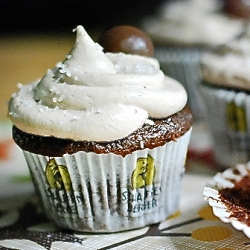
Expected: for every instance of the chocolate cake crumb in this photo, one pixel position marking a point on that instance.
(237, 200)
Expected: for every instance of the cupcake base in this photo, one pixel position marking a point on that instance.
(92, 192)
(228, 115)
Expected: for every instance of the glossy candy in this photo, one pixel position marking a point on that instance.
(127, 39)
(238, 8)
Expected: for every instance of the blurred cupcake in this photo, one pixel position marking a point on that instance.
(228, 193)
(225, 89)
(181, 31)
(105, 137)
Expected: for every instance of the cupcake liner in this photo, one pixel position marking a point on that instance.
(228, 117)
(222, 181)
(183, 64)
(107, 193)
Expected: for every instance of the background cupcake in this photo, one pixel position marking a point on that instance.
(105, 137)
(182, 30)
(225, 88)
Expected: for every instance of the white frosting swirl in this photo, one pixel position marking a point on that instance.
(96, 96)
(192, 22)
(229, 64)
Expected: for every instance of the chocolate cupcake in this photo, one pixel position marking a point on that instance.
(105, 137)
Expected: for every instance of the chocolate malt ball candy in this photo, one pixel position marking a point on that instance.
(238, 8)
(127, 39)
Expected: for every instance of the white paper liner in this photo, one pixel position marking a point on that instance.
(183, 64)
(221, 181)
(109, 193)
(228, 118)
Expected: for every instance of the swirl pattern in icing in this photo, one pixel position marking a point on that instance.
(96, 96)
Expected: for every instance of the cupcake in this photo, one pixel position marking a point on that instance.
(105, 137)
(182, 31)
(225, 88)
(228, 195)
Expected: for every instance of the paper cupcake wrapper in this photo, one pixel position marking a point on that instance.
(108, 193)
(222, 181)
(183, 64)
(228, 117)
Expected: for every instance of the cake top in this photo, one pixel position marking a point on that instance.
(192, 23)
(228, 193)
(96, 96)
(228, 65)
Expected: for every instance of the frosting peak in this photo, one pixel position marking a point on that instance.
(87, 55)
(96, 96)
